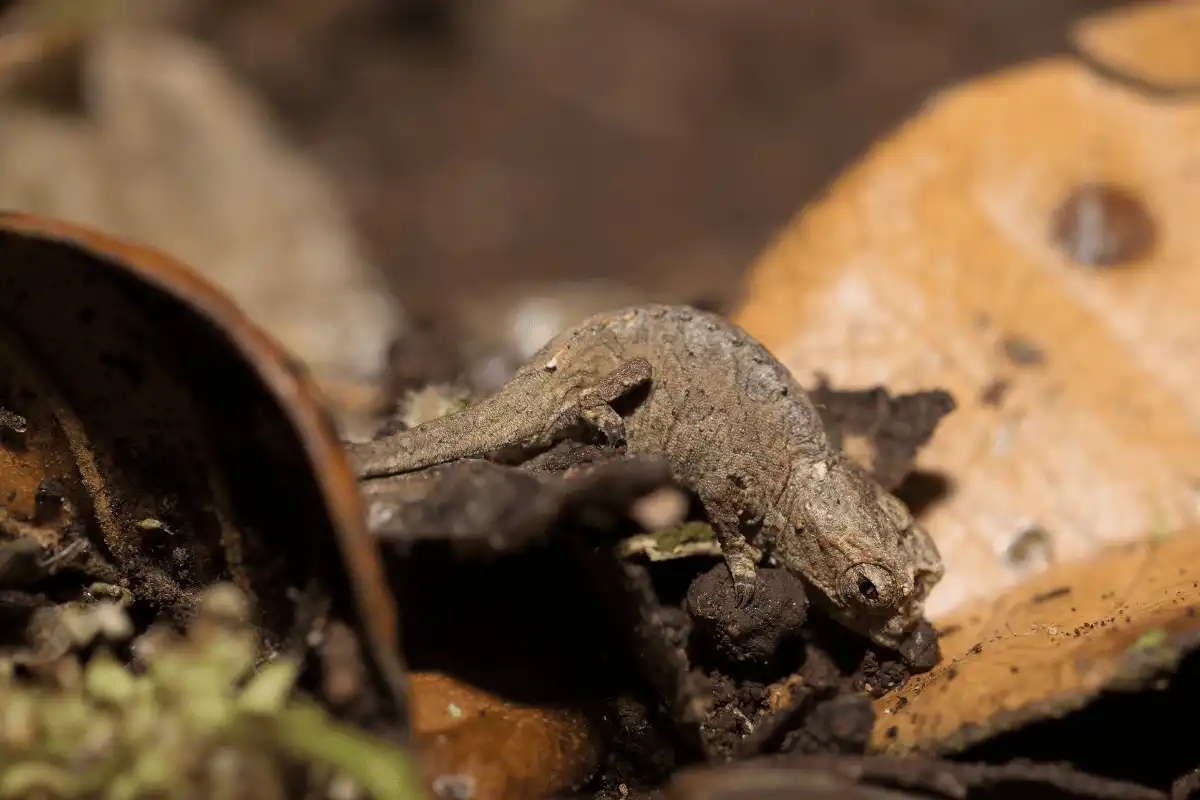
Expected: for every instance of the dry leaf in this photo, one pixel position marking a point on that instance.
(181, 447)
(164, 146)
(1050, 646)
(491, 749)
(1026, 242)
(937, 262)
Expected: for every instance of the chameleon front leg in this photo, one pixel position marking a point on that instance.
(593, 403)
(725, 505)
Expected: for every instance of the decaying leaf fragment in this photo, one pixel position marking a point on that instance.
(148, 396)
(959, 254)
(1050, 646)
(689, 539)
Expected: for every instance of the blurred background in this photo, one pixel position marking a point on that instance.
(468, 158)
(659, 143)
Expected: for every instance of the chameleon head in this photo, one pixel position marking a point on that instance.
(859, 547)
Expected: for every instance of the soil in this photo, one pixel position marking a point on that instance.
(753, 633)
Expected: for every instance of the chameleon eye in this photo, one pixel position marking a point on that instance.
(867, 585)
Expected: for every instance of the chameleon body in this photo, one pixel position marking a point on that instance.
(735, 427)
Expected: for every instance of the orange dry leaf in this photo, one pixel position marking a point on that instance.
(1050, 646)
(492, 749)
(940, 261)
(1028, 243)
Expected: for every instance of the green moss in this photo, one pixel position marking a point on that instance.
(196, 722)
(689, 539)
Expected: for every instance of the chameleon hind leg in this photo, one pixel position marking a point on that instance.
(725, 506)
(593, 404)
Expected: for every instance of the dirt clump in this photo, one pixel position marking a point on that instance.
(751, 633)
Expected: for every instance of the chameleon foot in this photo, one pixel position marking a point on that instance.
(745, 579)
(743, 594)
(722, 502)
(618, 383)
(608, 422)
(592, 404)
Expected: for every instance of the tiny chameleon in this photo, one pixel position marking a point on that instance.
(735, 428)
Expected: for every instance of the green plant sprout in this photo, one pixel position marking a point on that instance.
(189, 725)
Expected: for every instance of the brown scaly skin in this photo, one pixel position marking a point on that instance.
(735, 427)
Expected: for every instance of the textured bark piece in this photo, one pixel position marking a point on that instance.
(484, 509)
(1150, 44)
(931, 264)
(1050, 646)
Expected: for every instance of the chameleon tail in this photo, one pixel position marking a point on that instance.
(507, 418)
